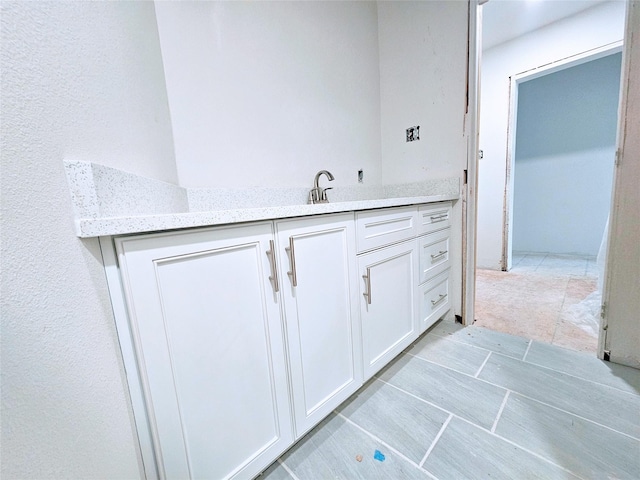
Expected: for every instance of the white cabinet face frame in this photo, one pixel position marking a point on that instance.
(228, 350)
(321, 319)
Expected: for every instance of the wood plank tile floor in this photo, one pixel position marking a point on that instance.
(545, 297)
(469, 402)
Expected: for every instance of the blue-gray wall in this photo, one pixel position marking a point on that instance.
(565, 147)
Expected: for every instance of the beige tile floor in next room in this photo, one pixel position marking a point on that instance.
(471, 403)
(543, 297)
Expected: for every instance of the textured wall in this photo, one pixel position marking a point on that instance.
(80, 80)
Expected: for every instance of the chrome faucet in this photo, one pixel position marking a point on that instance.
(317, 194)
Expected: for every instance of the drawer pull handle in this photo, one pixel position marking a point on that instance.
(271, 253)
(367, 284)
(439, 218)
(439, 254)
(440, 298)
(292, 259)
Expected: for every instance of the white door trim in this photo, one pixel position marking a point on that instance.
(469, 190)
(617, 340)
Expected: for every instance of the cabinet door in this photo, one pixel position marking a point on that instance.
(388, 303)
(209, 345)
(317, 260)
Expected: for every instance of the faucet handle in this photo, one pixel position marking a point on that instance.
(314, 196)
(323, 197)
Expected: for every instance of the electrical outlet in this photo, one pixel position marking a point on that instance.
(413, 133)
(360, 176)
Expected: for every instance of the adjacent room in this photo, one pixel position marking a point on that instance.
(548, 131)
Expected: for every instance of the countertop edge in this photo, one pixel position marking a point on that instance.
(110, 226)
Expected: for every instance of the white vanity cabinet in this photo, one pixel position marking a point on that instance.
(317, 275)
(209, 344)
(435, 261)
(388, 278)
(245, 337)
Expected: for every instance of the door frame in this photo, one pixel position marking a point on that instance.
(619, 328)
(470, 185)
(514, 83)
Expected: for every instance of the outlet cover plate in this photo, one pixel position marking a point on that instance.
(413, 133)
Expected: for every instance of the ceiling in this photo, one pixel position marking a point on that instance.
(504, 20)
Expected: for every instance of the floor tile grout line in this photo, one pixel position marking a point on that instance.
(500, 410)
(511, 442)
(476, 346)
(414, 396)
(433, 405)
(524, 361)
(379, 440)
(435, 440)
(288, 470)
(527, 350)
(531, 398)
(453, 415)
(576, 415)
(528, 363)
(575, 376)
(443, 366)
(483, 364)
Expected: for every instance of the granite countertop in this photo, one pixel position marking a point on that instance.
(108, 201)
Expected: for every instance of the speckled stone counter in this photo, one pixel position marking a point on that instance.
(108, 201)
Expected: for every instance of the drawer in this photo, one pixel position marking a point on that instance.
(434, 254)
(433, 217)
(378, 228)
(434, 300)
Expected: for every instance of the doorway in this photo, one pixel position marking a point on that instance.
(551, 278)
(562, 134)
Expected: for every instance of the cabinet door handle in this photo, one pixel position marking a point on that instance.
(271, 253)
(367, 280)
(292, 259)
(440, 298)
(439, 218)
(439, 254)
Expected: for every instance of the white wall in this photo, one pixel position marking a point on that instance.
(423, 66)
(592, 28)
(269, 93)
(423, 49)
(80, 80)
(564, 155)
